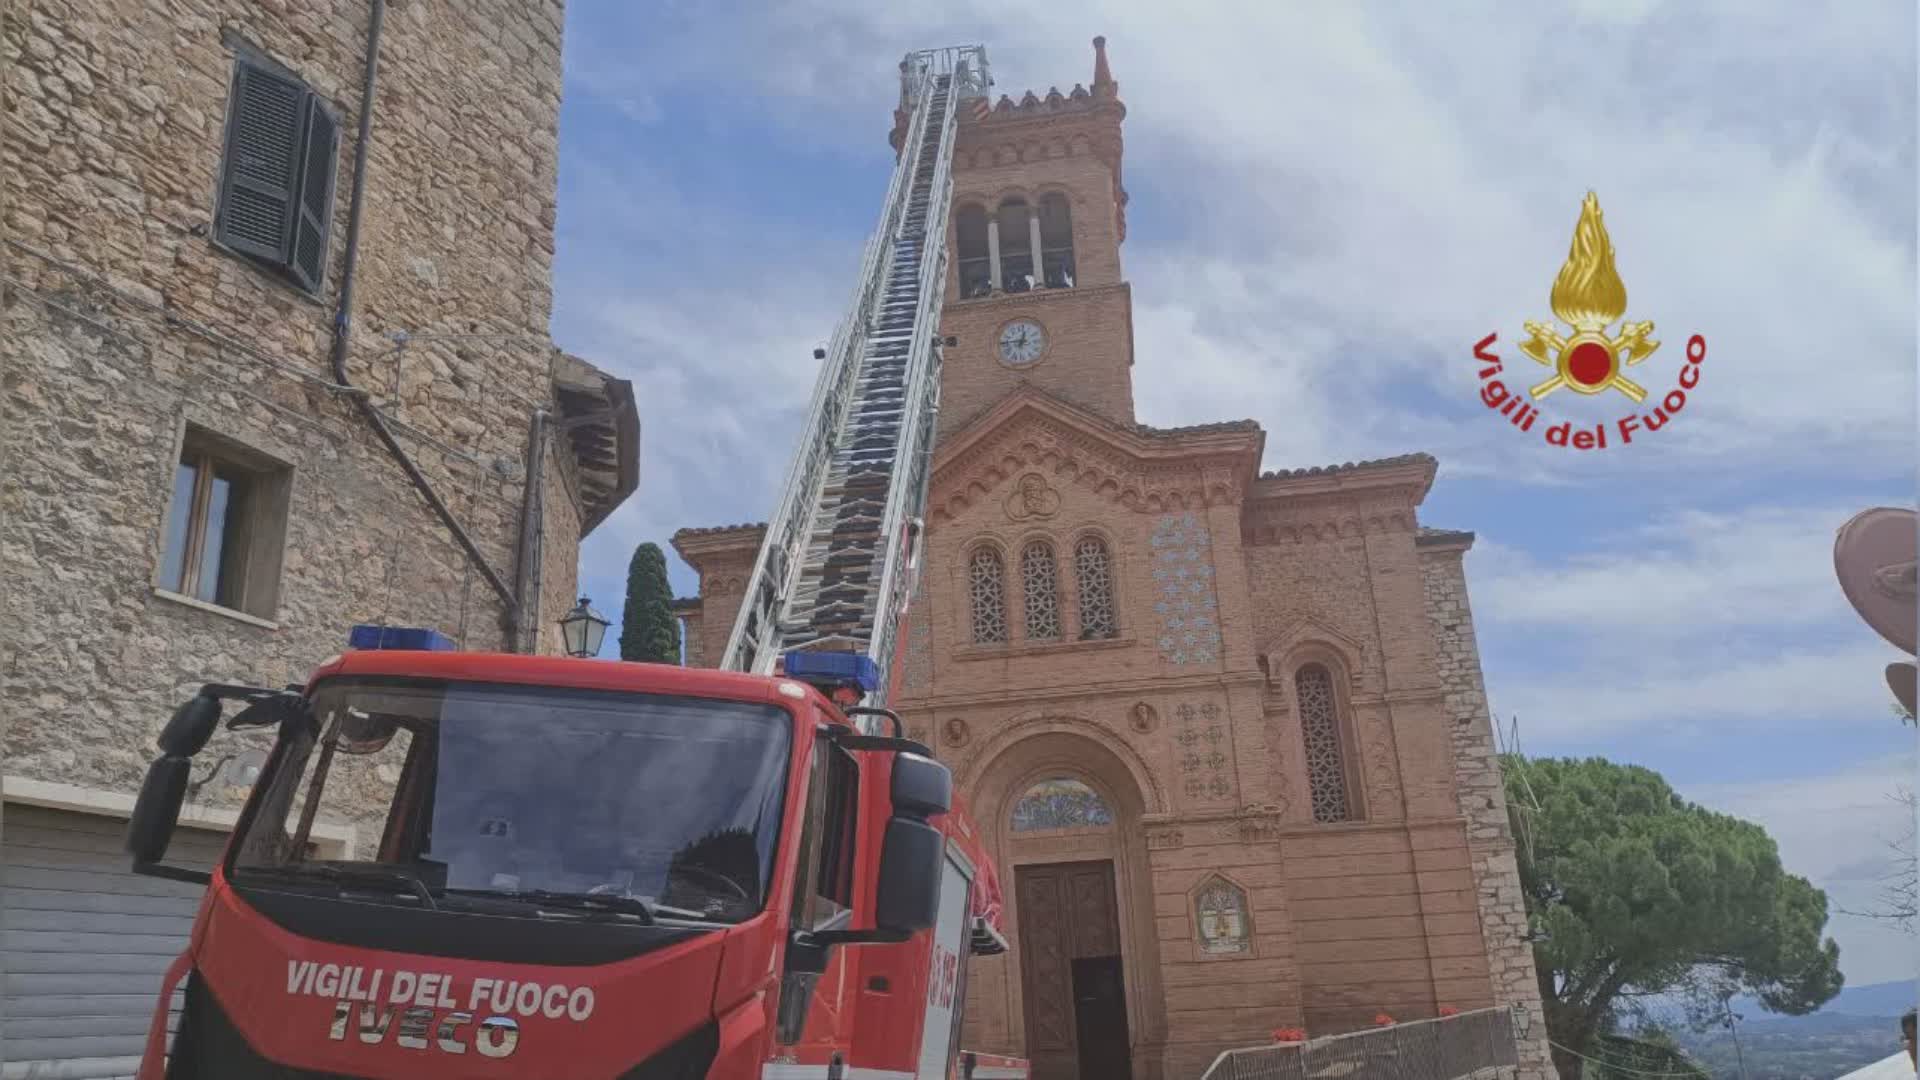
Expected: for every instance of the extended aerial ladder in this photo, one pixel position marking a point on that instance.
(836, 567)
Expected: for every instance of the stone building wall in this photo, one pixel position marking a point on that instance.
(125, 324)
(1482, 793)
(558, 584)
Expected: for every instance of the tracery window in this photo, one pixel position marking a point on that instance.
(1093, 577)
(1060, 804)
(987, 591)
(1040, 583)
(1325, 757)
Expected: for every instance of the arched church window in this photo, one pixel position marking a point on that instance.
(987, 592)
(974, 261)
(1056, 241)
(1040, 584)
(1019, 230)
(1325, 757)
(1060, 803)
(1093, 577)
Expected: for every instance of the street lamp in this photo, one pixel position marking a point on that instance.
(583, 630)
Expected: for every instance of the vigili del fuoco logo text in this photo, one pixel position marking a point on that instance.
(1589, 298)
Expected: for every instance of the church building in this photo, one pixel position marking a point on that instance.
(1225, 729)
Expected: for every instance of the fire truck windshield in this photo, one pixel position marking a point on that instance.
(523, 798)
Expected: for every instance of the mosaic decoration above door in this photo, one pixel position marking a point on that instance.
(1060, 804)
(1184, 604)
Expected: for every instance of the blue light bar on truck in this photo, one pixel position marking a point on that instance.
(832, 669)
(367, 636)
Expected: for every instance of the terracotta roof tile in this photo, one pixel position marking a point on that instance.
(1196, 429)
(711, 529)
(1351, 466)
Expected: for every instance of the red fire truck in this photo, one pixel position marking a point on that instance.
(574, 868)
(585, 869)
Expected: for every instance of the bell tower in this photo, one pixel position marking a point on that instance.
(1035, 293)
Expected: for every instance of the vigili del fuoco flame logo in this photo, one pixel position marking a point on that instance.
(1589, 298)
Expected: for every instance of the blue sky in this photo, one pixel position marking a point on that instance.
(1329, 206)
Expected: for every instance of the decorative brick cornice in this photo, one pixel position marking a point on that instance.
(1123, 692)
(1034, 298)
(1410, 471)
(1144, 469)
(1269, 524)
(706, 546)
(1443, 540)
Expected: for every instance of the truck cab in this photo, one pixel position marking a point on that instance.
(570, 868)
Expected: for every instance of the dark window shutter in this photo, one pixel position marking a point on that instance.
(264, 125)
(315, 209)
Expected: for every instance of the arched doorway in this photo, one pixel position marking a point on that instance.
(1079, 992)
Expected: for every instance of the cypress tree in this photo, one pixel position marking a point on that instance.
(648, 630)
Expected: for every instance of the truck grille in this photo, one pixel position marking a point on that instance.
(209, 1047)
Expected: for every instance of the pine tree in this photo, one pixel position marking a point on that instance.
(648, 630)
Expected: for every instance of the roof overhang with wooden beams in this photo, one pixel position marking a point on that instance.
(599, 422)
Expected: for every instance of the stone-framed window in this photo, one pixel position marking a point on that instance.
(1093, 581)
(1060, 803)
(1040, 590)
(1328, 787)
(277, 168)
(226, 525)
(987, 595)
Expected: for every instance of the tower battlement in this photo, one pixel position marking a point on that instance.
(1038, 126)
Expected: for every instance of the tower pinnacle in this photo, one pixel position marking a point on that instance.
(1103, 84)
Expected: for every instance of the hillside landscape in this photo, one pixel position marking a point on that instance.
(1858, 1027)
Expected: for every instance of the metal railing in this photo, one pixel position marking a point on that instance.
(1468, 1044)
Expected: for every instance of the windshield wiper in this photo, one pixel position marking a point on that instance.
(622, 905)
(368, 874)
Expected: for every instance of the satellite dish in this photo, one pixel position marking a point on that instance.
(1874, 556)
(1900, 677)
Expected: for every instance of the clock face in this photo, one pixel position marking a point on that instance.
(1021, 342)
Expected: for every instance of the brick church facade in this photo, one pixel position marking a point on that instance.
(1225, 729)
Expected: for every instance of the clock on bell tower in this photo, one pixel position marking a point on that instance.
(1034, 288)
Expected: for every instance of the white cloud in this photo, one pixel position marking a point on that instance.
(1359, 198)
(1688, 624)
(1759, 566)
(1838, 830)
(1705, 692)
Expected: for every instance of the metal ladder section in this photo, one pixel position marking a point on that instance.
(836, 567)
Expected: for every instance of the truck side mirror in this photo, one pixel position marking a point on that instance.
(191, 725)
(157, 810)
(912, 850)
